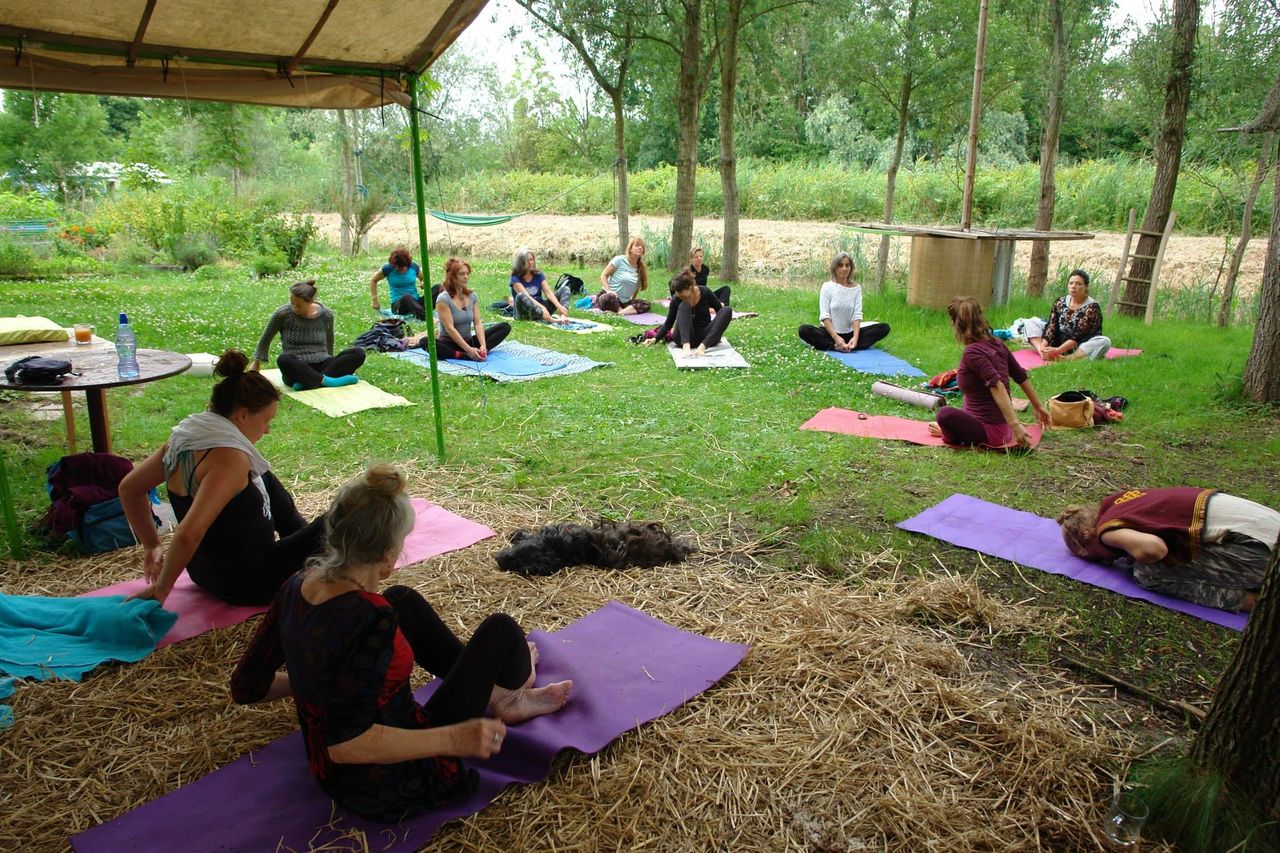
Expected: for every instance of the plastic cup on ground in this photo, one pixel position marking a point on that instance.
(1125, 819)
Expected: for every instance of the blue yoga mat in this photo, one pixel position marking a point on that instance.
(66, 637)
(511, 365)
(877, 361)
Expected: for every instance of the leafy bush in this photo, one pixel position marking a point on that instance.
(16, 259)
(27, 206)
(289, 233)
(269, 263)
(194, 250)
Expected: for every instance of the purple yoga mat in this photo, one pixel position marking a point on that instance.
(1030, 540)
(627, 668)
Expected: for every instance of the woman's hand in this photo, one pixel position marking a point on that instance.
(702, 349)
(153, 563)
(1050, 353)
(152, 592)
(255, 365)
(484, 352)
(648, 342)
(1042, 415)
(479, 738)
(688, 350)
(1021, 437)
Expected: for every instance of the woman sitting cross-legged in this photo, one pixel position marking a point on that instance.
(349, 652)
(306, 359)
(533, 298)
(458, 313)
(701, 272)
(623, 279)
(985, 369)
(690, 316)
(1074, 329)
(239, 535)
(403, 277)
(840, 314)
(1199, 545)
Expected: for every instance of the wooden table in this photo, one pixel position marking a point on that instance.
(97, 364)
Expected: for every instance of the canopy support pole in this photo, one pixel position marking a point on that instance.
(420, 196)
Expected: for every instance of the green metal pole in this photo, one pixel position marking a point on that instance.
(10, 518)
(418, 192)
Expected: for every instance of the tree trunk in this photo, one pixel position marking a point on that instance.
(1237, 256)
(1177, 94)
(620, 151)
(1262, 370)
(1039, 272)
(1239, 737)
(348, 184)
(688, 97)
(904, 115)
(728, 154)
(891, 178)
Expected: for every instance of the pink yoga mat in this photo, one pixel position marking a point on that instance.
(435, 531)
(1030, 359)
(888, 427)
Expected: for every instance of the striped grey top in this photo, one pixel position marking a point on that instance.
(307, 338)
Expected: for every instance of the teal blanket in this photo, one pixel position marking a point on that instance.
(46, 638)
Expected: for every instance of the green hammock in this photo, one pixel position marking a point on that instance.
(474, 220)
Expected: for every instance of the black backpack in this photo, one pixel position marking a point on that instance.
(576, 285)
(37, 370)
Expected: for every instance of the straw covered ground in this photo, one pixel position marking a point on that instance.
(874, 716)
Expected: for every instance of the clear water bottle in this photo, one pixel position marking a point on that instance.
(127, 348)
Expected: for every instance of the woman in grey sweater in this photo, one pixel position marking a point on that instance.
(305, 327)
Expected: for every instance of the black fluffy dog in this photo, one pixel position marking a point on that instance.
(609, 545)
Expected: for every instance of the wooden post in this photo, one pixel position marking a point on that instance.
(975, 115)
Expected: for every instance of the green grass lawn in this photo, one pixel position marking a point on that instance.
(717, 453)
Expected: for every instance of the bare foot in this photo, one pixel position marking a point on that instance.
(934, 429)
(533, 664)
(529, 702)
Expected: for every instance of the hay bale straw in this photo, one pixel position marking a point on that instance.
(865, 717)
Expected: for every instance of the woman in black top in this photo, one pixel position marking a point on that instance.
(239, 535)
(350, 651)
(701, 271)
(690, 316)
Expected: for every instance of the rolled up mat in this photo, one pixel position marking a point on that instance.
(906, 395)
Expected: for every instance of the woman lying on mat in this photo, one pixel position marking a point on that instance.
(462, 334)
(1199, 545)
(701, 272)
(988, 418)
(533, 298)
(840, 314)
(350, 650)
(230, 507)
(690, 316)
(306, 343)
(1074, 329)
(402, 276)
(623, 278)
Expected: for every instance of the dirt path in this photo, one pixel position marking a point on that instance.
(796, 250)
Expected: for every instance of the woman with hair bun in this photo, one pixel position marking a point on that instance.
(689, 316)
(349, 652)
(461, 333)
(306, 359)
(986, 368)
(239, 534)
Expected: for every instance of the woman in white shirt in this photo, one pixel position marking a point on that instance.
(840, 314)
(623, 279)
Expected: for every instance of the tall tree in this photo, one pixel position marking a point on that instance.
(1262, 370)
(1168, 152)
(602, 34)
(683, 33)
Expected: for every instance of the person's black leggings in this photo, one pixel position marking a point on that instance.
(409, 306)
(496, 654)
(708, 335)
(723, 293)
(868, 336)
(493, 335)
(294, 370)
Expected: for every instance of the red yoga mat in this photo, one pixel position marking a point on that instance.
(435, 531)
(1030, 359)
(888, 427)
